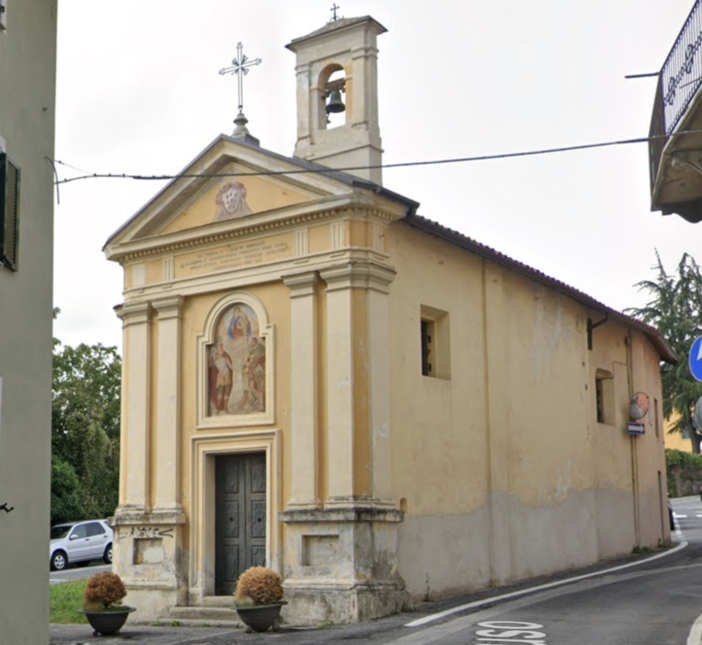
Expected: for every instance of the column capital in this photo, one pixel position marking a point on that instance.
(358, 275)
(171, 307)
(133, 313)
(301, 284)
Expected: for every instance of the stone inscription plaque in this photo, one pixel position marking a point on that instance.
(232, 256)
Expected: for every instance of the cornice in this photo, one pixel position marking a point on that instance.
(260, 274)
(155, 249)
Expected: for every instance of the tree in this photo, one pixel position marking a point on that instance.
(676, 310)
(66, 504)
(85, 426)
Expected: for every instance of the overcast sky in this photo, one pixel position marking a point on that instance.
(139, 93)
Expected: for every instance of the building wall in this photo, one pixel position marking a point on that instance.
(27, 100)
(675, 440)
(381, 481)
(503, 468)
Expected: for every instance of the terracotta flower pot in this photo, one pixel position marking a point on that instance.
(107, 622)
(259, 618)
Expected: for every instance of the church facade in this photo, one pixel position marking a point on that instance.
(320, 380)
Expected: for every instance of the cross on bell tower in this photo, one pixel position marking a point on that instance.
(240, 67)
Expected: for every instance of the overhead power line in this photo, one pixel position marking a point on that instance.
(407, 164)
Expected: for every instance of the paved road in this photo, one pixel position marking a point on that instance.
(77, 573)
(645, 601)
(654, 603)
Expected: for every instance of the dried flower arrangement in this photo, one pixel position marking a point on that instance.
(258, 586)
(104, 592)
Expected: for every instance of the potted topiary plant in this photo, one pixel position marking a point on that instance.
(102, 607)
(258, 598)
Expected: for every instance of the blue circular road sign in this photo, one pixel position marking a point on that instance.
(696, 359)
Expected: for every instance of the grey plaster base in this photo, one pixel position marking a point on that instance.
(322, 604)
(445, 555)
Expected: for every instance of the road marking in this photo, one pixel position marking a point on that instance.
(501, 632)
(695, 636)
(679, 515)
(551, 585)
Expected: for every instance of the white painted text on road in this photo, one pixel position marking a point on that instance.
(504, 632)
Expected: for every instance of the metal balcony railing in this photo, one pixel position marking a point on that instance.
(679, 80)
(681, 74)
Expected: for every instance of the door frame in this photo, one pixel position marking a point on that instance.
(202, 517)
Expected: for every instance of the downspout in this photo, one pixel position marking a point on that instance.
(488, 427)
(632, 442)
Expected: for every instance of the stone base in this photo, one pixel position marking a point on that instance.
(312, 603)
(152, 602)
(341, 562)
(149, 557)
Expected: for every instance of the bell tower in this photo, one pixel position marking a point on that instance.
(337, 96)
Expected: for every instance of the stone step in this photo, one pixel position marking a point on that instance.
(213, 616)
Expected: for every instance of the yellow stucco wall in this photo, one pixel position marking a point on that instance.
(515, 426)
(498, 462)
(675, 440)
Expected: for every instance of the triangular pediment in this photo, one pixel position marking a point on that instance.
(229, 185)
(234, 196)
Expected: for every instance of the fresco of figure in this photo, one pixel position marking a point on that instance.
(231, 202)
(237, 364)
(254, 378)
(221, 372)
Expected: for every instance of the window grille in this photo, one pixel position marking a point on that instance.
(427, 330)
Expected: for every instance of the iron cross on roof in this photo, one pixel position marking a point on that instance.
(240, 66)
(334, 8)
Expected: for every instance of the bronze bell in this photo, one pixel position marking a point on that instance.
(335, 103)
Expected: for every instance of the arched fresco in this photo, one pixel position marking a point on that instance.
(237, 364)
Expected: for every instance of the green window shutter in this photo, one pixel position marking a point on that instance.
(9, 212)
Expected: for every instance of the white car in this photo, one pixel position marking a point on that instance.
(80, 542)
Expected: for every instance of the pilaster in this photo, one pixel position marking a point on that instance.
(343, 427)
(304, 388)
(379, 280)
(134, 459)
(341, 559)
(167, 436)
(340, 282)
(148, 552)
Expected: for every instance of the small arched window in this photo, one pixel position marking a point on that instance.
(332, 84)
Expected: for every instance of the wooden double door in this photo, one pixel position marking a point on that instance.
(240, 517)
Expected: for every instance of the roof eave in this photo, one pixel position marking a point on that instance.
(433, 228)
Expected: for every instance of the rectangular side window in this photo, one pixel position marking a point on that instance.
(657, 419)
(435, 343)
(9, 212)
(599, 399)
(604, 396)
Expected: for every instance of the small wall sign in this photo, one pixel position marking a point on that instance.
(636, 428)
